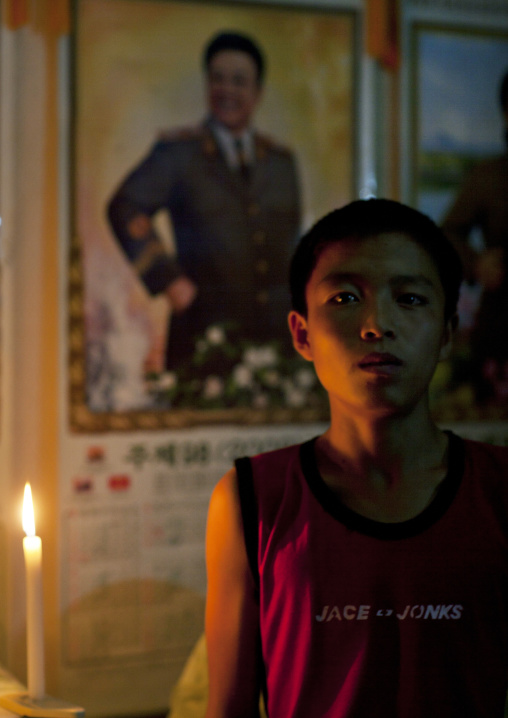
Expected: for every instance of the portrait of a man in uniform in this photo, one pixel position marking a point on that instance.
(233, 197)
(226, 139)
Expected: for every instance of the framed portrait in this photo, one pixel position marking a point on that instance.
(457, 125)
(161, 202)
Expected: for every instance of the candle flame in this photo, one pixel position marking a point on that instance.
(28, 512)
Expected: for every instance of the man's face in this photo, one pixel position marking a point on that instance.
(233, 89)
(375, 326)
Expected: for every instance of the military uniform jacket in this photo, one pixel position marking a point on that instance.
(482, 202)
(233, 236)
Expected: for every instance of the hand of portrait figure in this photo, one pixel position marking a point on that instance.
(490, 269)
(154, 360)
(181, 293)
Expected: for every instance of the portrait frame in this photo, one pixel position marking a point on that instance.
(450, 64)
(106, 145)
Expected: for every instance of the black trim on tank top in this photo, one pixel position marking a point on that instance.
(249, 511)
(378, 529)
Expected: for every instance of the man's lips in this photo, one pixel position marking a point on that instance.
(380, 362)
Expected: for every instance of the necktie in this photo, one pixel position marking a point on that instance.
(242, 159)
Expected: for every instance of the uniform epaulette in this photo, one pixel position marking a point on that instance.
(265, 142)
(179, 134)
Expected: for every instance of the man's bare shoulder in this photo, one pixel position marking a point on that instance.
(225, 492)
(224, 526)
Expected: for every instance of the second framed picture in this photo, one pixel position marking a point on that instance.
(459, 175)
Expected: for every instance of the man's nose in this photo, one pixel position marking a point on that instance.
(224, 83)
(378, 322)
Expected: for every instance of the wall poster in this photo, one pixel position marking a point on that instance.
(458, 127)
(178, 296)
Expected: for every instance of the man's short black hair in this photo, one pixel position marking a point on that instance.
(366, 218)
(235, 41)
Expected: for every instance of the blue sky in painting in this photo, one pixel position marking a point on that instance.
(458, 81)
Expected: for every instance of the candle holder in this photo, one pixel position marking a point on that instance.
(46, 707)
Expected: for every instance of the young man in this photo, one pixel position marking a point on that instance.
(234, 211)
(365, 573)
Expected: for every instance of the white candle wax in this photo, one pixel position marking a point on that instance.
(32, 549)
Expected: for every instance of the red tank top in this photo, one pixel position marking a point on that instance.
(362, 619)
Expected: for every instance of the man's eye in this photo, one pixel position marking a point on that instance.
(412, 300)
(344, 298)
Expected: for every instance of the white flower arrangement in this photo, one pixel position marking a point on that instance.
(226, 371)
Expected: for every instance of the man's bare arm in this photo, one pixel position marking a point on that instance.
(232, 612)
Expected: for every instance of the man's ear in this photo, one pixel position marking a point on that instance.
(298, 328)
(448, 334)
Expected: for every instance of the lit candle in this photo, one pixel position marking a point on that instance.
(32, 548)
